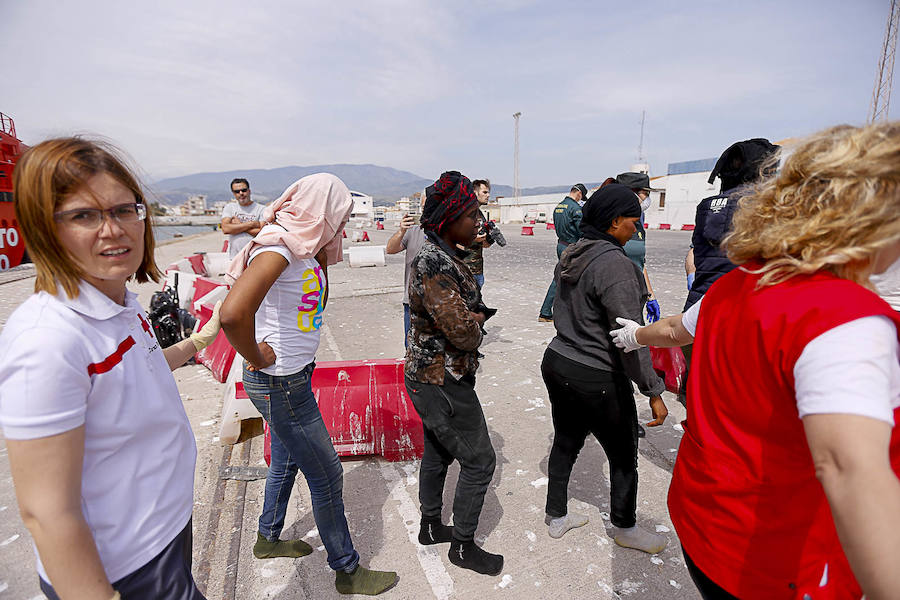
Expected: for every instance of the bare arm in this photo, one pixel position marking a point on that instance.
(231, 226)
(178, 354)
(239, 309)
(850, 453)
(665, 333)
(395, 243)
(647, 281)
(689, 266)
(47, 477)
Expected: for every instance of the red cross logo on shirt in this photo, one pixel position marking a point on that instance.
(145, 325)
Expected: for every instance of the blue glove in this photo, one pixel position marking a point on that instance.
(653, 313)
(690, 280)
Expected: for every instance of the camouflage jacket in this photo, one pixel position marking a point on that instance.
(443, 333)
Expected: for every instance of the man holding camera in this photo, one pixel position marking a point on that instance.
(567, 222)
(474, 258)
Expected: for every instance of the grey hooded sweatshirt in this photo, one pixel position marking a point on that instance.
(596, 283)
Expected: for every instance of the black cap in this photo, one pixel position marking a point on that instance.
(635, 181)
(580, 187)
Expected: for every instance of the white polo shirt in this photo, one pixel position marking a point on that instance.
(89, 361)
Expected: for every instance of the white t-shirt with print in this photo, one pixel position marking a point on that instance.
(244, 214)
(290, 316)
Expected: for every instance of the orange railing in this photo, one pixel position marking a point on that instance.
(7, 125)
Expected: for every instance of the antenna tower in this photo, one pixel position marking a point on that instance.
(881, 95)
(641, 144)
(516, 159)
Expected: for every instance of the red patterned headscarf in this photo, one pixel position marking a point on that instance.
(445, 200)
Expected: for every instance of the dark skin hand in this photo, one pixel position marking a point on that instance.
(659, 410)
(239, 309)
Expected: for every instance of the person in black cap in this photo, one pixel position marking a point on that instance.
(636, 248)
(566, 221)
(446, 318)
(588, 378)
(738, 168)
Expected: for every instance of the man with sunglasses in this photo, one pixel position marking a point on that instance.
(241, 219)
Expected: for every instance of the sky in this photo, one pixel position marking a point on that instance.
(422, 86)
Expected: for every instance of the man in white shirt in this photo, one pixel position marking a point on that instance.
(241, 219)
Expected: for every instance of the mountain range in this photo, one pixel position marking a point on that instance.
(384, 184)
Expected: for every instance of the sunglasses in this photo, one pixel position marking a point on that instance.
(92, 218)
(240, 191)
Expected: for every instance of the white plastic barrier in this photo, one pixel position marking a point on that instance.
(235, 410)
(216, 263)
(366, 256)
(211, 298)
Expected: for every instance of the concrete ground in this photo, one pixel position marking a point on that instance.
(364, 320)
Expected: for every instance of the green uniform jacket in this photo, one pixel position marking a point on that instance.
(567, 220)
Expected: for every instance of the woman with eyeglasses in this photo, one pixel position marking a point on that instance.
(100, 448)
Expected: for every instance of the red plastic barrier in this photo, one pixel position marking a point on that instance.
(366, 409)
(197, 265)
(551, 226)
(669, 364)
(527, 230)
(345, 233)
(203, 286)
(218, 356)
(665, 226)
(687, 227)
(365, 237)
(379, 226)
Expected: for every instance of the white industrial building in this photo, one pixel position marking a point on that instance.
(362, 205)
(681, 189)
(528, 208)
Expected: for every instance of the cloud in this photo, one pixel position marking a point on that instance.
(425, 86)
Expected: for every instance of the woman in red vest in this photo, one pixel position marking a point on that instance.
(786, 483)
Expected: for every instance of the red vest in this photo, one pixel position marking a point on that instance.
(744, 497)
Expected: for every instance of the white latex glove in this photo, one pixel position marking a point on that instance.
(209, 331)
(626, 337)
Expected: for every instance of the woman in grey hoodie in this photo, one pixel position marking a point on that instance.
(588, 378)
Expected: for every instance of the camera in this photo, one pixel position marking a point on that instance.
(493, 233)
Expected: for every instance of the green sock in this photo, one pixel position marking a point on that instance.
(364, 581)
(263, 548)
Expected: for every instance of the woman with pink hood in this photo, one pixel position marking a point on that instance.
(272, 316)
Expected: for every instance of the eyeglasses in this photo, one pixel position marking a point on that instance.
(92, 218)
(240, 191)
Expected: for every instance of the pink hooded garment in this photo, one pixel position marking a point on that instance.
(313, 212)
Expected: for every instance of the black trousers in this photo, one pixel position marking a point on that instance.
(589, 401)
(167, 575)
(709, 590)
(454, 428)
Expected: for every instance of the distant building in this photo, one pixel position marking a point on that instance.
(683, 187)
(538, 207)
(195, 205)
(362, 205)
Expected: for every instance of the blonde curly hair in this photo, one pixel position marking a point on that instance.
(834, 204)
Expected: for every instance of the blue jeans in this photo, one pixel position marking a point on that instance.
(547, 306)
(479, 279)
(301, 441)
(406, 325)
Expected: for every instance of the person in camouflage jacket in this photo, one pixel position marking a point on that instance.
(447, 316)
